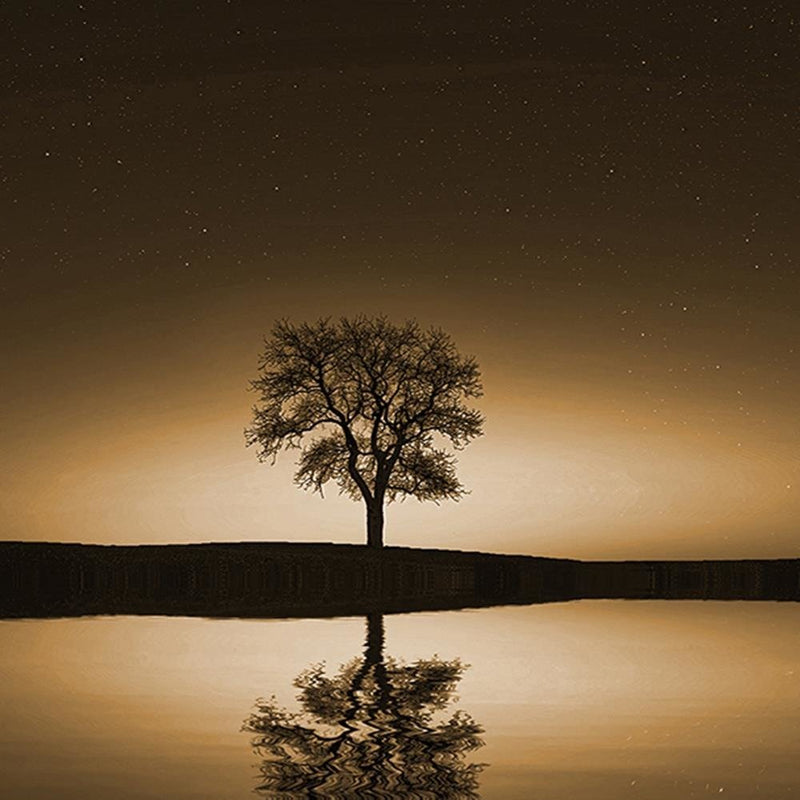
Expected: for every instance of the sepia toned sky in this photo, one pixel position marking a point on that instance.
(597, 200)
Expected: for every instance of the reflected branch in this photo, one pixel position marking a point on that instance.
(377, 726)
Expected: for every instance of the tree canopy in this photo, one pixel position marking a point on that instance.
(365, 400)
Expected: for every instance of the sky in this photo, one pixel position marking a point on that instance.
(596, 200)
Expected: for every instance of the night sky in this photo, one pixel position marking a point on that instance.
(599, 201)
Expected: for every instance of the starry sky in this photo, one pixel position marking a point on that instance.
(599, 201)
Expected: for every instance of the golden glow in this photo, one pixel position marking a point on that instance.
(580, 458)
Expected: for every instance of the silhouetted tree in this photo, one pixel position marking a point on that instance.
(377, 394)
(369, 731)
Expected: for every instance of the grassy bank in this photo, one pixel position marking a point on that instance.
(281, 579)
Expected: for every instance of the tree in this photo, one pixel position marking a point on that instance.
(377, 728)
(377, 396)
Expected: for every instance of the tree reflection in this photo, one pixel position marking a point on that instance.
(374, 729)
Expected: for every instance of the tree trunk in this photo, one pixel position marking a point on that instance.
(375, 524)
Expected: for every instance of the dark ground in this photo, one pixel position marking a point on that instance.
(275, 579)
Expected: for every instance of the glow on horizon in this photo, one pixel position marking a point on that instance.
(579, 459)
(539, 485)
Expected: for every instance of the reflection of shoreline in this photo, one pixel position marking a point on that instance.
(376, 728)
(307, 580)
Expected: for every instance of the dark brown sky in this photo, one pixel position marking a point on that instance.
(598, 200)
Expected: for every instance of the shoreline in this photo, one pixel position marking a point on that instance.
(283, 579)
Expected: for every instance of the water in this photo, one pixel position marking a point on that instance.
(590, 699)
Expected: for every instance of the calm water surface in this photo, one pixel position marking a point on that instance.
(591, 699)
